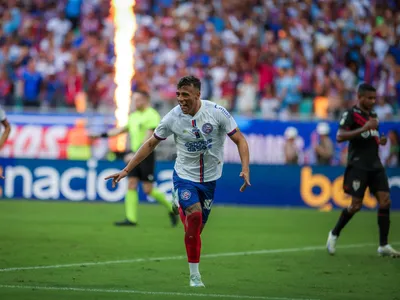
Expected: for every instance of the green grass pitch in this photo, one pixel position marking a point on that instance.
(284, 255)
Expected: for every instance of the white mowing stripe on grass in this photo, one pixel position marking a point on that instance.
(136, 260)
(88, 290)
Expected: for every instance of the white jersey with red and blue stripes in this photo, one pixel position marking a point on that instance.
(199, 140)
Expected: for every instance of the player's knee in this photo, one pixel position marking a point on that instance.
(147, 188)
(132, 184)
(355, 206)
(193, 208)
(384, 201)
(195, 220)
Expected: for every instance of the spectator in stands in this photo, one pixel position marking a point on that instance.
(247, 93)
(349, 81)
(397, 87)
(32, 85)
(53, 91)
(290, 90)
(269, 103)
(73, 11)
(324, 149)
(266, 72)
(323, 48)
(290, 148)
(105, 91)
(383, 109)
(74, 85)
(393, 160)
(59, 26)
(5, 89)
(228, 91)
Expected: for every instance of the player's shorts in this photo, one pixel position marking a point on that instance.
(357, 180)
(189, 193)
(145, 170)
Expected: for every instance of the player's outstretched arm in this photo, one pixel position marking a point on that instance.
(112, 132)
(346, 135)
(6, 132)
(243, 148)
(144, 151)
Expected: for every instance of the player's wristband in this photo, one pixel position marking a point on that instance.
(126, 170)
(104, 135)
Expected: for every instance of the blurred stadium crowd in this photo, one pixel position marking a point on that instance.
(268, 58)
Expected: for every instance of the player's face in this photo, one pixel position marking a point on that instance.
(188, 99)
(368, 100)
(139, 100)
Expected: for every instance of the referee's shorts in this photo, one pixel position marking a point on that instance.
(145, 170)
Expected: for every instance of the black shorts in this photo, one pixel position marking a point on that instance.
(357, 180)
(145, 170)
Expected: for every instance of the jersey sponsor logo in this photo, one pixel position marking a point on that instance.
(198, 145)
(196, 132)
(356, 185)
(207, 128)
(224, 111)
(368, 133)
(185, 195)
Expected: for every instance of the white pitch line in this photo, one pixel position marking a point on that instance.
(88, 290)
(135, 260)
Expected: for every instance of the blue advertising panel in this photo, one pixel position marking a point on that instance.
(266, 140)
(280, 186)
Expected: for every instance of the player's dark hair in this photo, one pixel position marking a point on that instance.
(143, 93)
(188, 81)
(365, 87)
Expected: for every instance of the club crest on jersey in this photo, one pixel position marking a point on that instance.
(356, 184)
(207, 128)
(365, 134)
(186, 194)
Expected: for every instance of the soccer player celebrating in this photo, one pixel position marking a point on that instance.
(141, 125)
(199, 128)
(6, 132)
(359, 125)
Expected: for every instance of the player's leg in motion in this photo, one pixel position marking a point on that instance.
(384, 224)
(345, 217)
(182, 216)
(354, 183)
(131, 203)
(194, 224)
(159, 196)
(190, 209)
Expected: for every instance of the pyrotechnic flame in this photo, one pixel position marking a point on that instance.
(125, 27)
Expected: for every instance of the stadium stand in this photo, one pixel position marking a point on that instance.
(260, 58)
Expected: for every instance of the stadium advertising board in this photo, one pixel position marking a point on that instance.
(36, 136)
(281, 186)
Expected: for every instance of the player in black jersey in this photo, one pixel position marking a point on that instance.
(359, 125)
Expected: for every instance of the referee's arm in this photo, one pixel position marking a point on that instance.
(110, 133)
